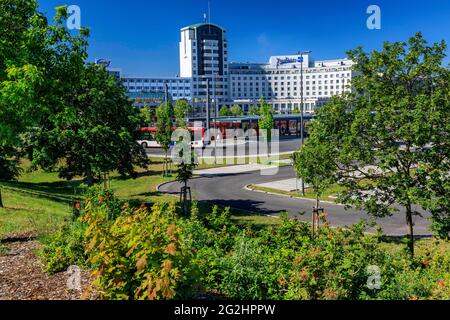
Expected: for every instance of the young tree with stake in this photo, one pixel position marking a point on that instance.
(388, 138)
(315, 165)
(164, 129)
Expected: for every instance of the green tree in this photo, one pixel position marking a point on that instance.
(164, 127)
(147, 116)
(185, 167)
(37, 63)
(19, 78)
(296, 110)
(236, 111)
(254, 110)
(224, 112)
(266, 120)
(94, 134)
(182, 110)
(315, 165)
(388, 138)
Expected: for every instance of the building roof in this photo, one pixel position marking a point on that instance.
(198, 25)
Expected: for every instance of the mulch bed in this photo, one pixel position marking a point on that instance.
(21, 277)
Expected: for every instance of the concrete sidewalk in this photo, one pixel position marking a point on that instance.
(288, 185)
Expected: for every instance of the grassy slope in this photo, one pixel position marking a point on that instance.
(39, 201)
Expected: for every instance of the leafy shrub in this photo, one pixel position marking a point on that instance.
(140, 255)
(246, 272)
(137, 253)
(285, 262)
(440, 224)
(64, 248)
(3, 250)
(334, 265)
(97, 196)
(427, 278)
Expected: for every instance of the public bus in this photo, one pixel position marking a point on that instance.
(147, 138)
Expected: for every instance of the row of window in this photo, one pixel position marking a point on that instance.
(337, 87)
(159, 81)
(295, 84)
(208, 50)
(157, 88)
(320, 76)
(194, 43)
(263, 71)
(287, 95)
(173, 94)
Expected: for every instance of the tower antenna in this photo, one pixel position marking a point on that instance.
(209, 15)
(209, 11)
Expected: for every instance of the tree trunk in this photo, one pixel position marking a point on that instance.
(1, 201)
(315, 217)
(185, 199)
(409, 221)
(166, 166)
(89, 177)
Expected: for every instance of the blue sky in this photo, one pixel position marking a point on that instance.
(141, 36)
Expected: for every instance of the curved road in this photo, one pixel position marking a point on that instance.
(286, 145)
(229, 190)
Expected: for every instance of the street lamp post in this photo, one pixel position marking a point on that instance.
(302, 109)
(166, 94)
(208, 116)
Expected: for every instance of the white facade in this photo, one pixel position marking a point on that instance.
(279, 82)
(187, 53)
(204, 55)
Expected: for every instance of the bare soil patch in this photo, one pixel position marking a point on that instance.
(22, 278)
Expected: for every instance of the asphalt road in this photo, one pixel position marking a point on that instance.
(287, 144)
(229, 190)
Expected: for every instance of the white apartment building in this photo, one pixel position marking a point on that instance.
(279, 82)
(204, 53)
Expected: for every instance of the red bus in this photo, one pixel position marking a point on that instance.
(147, 137)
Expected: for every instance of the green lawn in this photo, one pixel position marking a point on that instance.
(25, 213)
(39, 201)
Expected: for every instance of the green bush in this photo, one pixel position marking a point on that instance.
(286, 262)
(140, 255)
(334, 265)
(99, 197)
(427, 278)
(3, 250)
(136, 253)
(246, 272)
(63, 248)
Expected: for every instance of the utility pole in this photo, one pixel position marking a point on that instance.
(216, 134)
(216, 130)
(166, 94)
(302, 110)
(208, 115)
